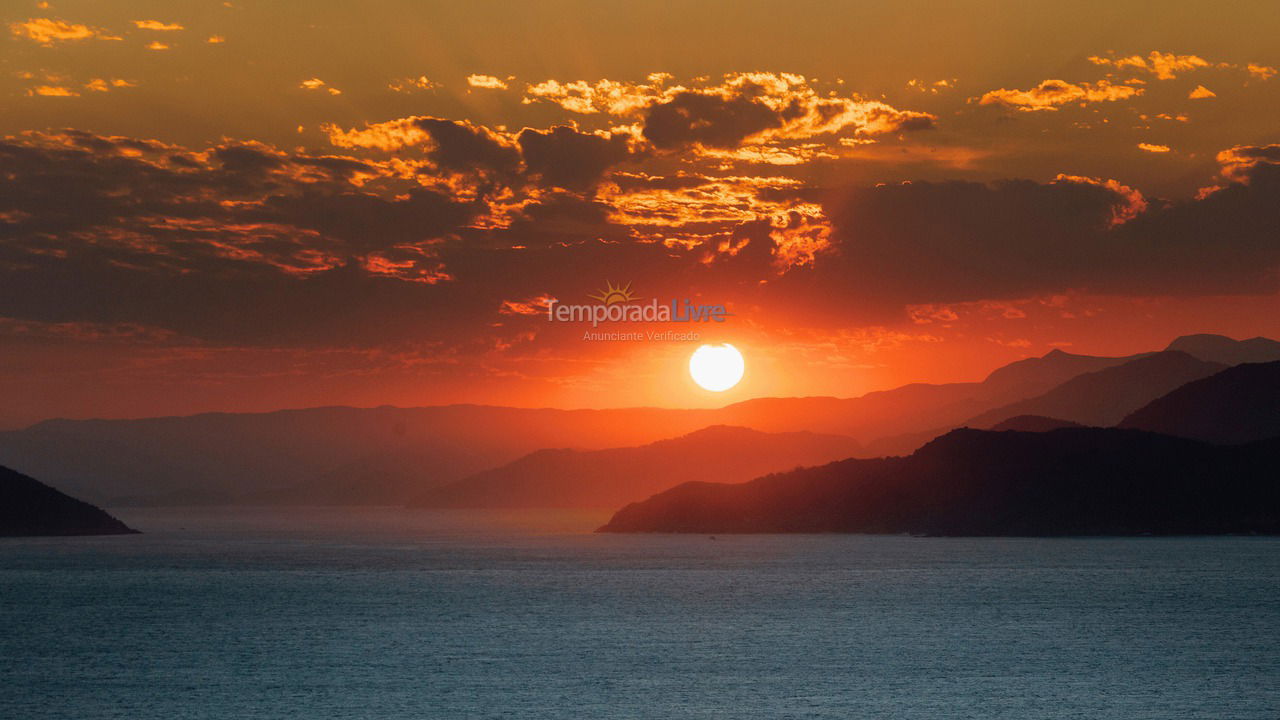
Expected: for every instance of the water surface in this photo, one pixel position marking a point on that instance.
(389, 613)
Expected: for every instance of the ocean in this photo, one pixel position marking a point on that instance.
(392, 613)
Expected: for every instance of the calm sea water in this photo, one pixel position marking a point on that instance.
(381, 613)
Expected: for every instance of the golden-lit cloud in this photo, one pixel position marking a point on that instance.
(1153, 148)
(157, 45)
(318, 84)
(386, 136)
(670, 204)
(769, 154)
(156, 25)
(58, 85)
(216, 40)
(1052, 94)
(933, 88)
(1129, 203)
(610, 97)
(486, 82)
(799, 236)
(104, 85)
(1165, 66)
(1262, 72)
(52, 91)
(47, 31)
(1168, 66)
(1239, 162)
(755, 117)
(530, 306)
(412, 84)
(407, 262)
(1201, 92)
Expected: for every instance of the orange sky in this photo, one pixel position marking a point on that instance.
(255, 205)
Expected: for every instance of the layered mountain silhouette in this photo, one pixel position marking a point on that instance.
(1074, 481)
(1104, 397)
(1034, 423)
(391, 455)
(352, 455)
(1238, 405)
(29, 507)
(1217, 348)
(612, 478)
(1034, 376)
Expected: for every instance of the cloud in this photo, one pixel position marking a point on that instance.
(105, 85)
(52, 91)
(1165, 66)
(242, 223)
(561, 156)
(1240, 162)
(567, 158)
(1201, 92)
(1168, 66)
(246, 243)
(1262, 72)
(463, 146)
(921, 243)
(708, 120)
(48, 31)
(606, 96)
(1153, 148)
(486, 82)
(157, 25)
(768, 108)
(216, 40)
(772, 111)
(411, 84)
(157, 45)
(318, 84)
(1052, 94)
(529, 306)
(932, 88)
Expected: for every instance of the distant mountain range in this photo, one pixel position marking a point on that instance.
(393, 455)
(29, 507)
(1238, 405)
(1034, 423)
(1073, 481)
(612, 478)
(1220, 349)
(1102, 398)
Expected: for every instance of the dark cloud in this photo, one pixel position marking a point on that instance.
(243, 243)
(959, 241)
(564, 157)
(709, 120)
(1239, 162)
(461, 146)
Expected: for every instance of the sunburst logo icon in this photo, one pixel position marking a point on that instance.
(614, 294)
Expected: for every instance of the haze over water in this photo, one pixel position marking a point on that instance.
(385, 613)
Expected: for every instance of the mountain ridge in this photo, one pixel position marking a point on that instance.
(1071, 481)
(610, 478)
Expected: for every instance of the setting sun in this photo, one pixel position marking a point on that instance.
(716, 367)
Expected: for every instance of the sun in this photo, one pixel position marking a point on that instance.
(716, 367)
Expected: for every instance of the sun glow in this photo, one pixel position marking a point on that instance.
(716, 367)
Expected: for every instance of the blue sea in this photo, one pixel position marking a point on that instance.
(390, 613)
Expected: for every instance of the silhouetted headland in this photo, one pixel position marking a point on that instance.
(1074, 481)
(29, 507)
